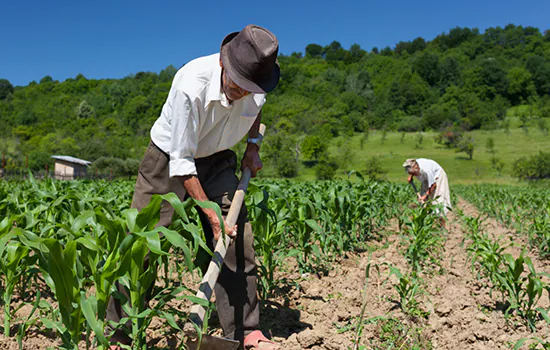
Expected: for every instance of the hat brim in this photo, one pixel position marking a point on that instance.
(260, 87)
(409, 163)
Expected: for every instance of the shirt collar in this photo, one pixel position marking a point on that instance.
(215, 92)
(215, 89)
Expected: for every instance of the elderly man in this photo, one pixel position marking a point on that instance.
(434, 182)
(213, 103)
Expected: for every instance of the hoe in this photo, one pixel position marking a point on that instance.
(198, 312)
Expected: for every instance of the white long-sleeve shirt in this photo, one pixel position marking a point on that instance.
(429, 171)
(197, 120)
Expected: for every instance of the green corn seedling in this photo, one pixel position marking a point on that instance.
(523, 291)
(408, 289)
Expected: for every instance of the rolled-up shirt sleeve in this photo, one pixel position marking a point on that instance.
(430, 178)
(185, 136)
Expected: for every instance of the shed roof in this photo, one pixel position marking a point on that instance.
(72, 160)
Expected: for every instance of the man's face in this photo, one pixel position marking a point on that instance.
(415, 170)
(232, 90)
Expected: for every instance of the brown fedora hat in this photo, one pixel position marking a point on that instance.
(250, 59)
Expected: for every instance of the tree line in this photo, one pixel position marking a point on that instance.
(461, 80)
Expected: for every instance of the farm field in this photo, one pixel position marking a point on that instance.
(393, 148)
(343, 265)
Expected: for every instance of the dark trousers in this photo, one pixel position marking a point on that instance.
(236, 290)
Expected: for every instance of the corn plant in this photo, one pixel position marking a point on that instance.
(58, 266)
(269, 227)
(144, 252)
(523, 292)
(307, 247)
(539, 234)
(408, 289)
(14, 263)
(488, 254)
(523, 209)
(474, 224)
(423, 241)
(534, 340)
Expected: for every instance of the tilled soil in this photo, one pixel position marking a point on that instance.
(322, 311)
(463, 315)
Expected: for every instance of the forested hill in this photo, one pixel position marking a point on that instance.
(463, 79)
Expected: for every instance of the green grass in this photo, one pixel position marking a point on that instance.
(460, 170)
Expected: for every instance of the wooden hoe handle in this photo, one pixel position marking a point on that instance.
(208, 282)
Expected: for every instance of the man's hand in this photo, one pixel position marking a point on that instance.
(251, 159)
(194, 188)
(410, 179)
(216, 225)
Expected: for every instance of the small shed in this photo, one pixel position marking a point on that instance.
(70, 168)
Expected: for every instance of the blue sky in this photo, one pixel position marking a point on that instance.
(112, 39)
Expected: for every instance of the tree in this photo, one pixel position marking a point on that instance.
(490, 145)
(455, 37)
(314, 50)
(384, 136)
(5, 88)
(326, 169)
(374, 170)
(539, 68)
(491, 79)
(130, 167)
(346, 156)
(520, 85)
(543, 114)
(408, 92)
(168, 73)
(84, 110)
(114, 166)
(543, 125)
(387, 51)
(41, 148)
(418, 44)
(434, 117)
(532, 168)
(364, 138)
(449, 72)
(136, 111)
(497, 164)
(313, 147)
(465, 104)
(449, 138)
(467, 146)
(280, 154)
(419, 140)
(355, 54)
(335, 52)
(403, 46)
(360, 84)
(46, 79)
(427, 66)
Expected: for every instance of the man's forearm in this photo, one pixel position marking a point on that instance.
(254, 130)
(431, 189)
(193, 187)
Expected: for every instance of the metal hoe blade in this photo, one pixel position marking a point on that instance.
(214, 343)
